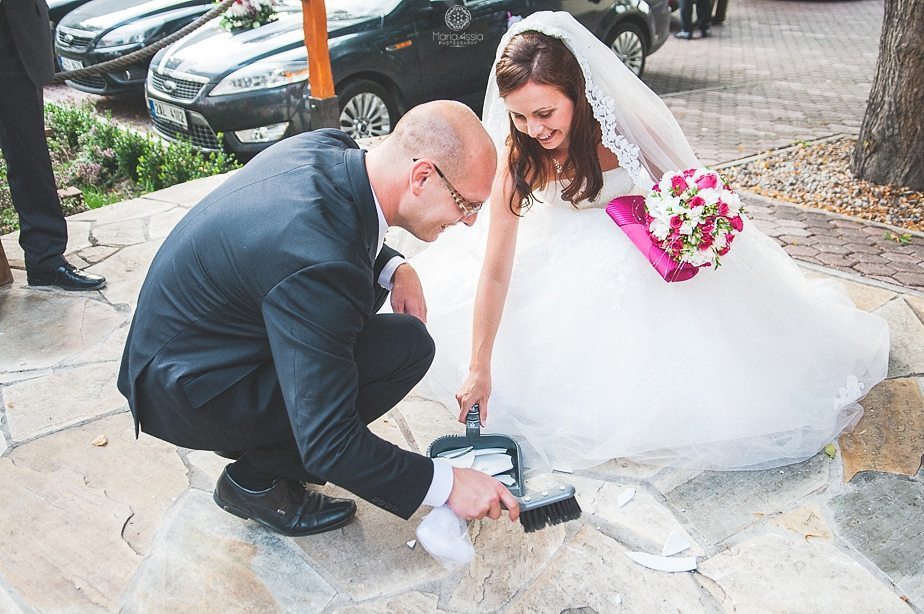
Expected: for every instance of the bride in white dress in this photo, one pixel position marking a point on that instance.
(747, 366)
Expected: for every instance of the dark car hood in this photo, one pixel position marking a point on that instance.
(214, 52)
(102, 15)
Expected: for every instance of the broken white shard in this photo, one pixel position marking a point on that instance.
(454, 453)
(411, 544)
(675, 543)
(483, 451)
(563, 469)
(663, 563)
(492, 464)
(625, 496)
(463, 462)
(506, 480)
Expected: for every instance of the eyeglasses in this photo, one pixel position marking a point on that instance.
(468, 207)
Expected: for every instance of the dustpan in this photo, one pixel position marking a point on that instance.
(478, 441)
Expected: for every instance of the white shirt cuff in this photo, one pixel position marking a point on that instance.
(389, 271)
(441, 485)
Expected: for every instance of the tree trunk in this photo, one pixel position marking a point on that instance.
(890, 149)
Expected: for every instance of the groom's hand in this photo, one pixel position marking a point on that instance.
(407, 294)
(475, 495)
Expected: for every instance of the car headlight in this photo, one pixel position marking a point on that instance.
(262, 76)
(135, 33)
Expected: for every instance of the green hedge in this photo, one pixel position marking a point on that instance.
(109, 163)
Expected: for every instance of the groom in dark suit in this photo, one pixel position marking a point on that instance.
(26, 64)
(256, 328)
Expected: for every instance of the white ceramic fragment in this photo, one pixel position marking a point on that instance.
(663, 563)
(463, 462)
(506, 480)
(454, 452)
(625, 496)
(411, 544)
(492, 464)
(483, 451)
(675, 543)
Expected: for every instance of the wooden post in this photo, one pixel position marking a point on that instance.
(325, 112)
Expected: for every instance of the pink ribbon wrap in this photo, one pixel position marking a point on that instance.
(629, 214)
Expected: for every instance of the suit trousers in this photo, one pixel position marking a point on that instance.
(42, 229)
(392, 354)
(703, 14)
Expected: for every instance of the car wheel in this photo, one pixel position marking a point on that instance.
(627, 43)
(366, 109)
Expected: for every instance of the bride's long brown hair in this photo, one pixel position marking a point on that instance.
(533, 56)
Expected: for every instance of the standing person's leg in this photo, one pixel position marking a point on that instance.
(721, 8)
(704, 16)
(43, 232)
(686, 20)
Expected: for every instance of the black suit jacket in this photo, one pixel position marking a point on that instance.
(24, 32)
(278, 264)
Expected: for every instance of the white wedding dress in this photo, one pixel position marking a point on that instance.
(745, 367)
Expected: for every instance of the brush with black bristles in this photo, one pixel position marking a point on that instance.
(549, 507)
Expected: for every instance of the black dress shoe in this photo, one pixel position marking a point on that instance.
(684, 35)
(706, 33)
(66, 277)
(287, 507)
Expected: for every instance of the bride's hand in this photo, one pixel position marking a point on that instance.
(475, 390)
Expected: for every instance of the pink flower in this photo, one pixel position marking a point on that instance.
(723, 208)
(689, 172)
(656, 188)
(737, 223)
(706, 243)
(706, 181)
(725, 249)
(676, 222)
(678, 183)
(697, 201)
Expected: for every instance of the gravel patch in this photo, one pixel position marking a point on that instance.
(818, 175)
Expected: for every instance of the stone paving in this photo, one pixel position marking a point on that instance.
(93, 520)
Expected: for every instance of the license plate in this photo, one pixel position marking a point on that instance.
(69, 64)
(169, 112)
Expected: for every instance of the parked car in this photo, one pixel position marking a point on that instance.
(56, 10)
(386, 56)
(102, 30)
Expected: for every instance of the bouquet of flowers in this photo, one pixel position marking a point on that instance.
(688, 221)
(247, 14)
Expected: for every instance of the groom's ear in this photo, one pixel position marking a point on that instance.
(418, 175)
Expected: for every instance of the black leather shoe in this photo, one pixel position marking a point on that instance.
(66, 277)
(706, 33)
(683, 35)
(287, 507)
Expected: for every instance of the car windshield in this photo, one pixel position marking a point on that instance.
(349, 9)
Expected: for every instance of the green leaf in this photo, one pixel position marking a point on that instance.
(830, 450)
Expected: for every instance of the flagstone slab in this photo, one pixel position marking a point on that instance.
(410, 602)
(716, 505)
(906, 356)
(46, 404)
(210, 560)
(43, 328)
(880, 515)
(642, 523)
(369, 558)
(672, 477)
(4, 444)
(917, 305)
(160, 225)
(206, 468)
(592, 573)
(134, 209)
(426, 421)
(121, 233)
(78, 235)
(623, 468)
(506, 559)
(110, 348)
(808, 522)
(61, 547)
(146, 474)
(96, 254)
(867, 298)
(125, 272)
(890, 435)
(189, 193)
(786, 573)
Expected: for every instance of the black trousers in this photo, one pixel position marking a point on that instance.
(703, 14)
(42, 229)
(392, 354)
